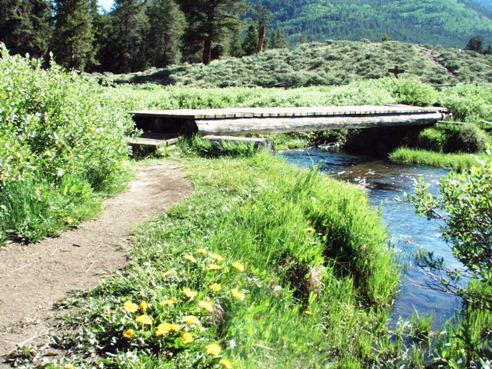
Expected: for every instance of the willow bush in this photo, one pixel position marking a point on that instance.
(54, 124)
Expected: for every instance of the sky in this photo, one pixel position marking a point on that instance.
(106, 4)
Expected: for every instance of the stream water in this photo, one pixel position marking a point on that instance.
(385, 182)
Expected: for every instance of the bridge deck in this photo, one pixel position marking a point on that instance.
(267, 120)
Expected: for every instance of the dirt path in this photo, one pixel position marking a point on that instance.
(34, 277)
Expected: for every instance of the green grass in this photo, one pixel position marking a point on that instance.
(318, 280)
(436, 159)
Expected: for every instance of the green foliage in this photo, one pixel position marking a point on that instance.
(60, 139)
(250, 42)
(423, 22)
(73, 36)
(413, 92)
(333, 63)
(301, 307)
(165, 37)
(278, 40)
(25, 26)
(206, 148)
(468, 138)
(431, 139)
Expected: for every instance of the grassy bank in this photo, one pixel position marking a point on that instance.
(279, 267)
(457, 162)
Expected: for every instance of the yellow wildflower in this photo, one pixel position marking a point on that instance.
(238, 295)
(189, 293)
(129, 334)
(191, 320)
(309, 230)
(169, 273)
(68, 366)
(202, 252)
(214, 267)
(144, 320)
(216, 257)
(207, 306)
(238, 266)
(214, 349)
(143, 306)
(187, 338)
(226, 363)
(190, 258)
(165, 328)
(168, 302)
(215, 287)
(130, 307)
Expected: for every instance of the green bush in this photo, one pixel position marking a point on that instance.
(431, 139)
(468, 138)
(54, 124)
(413, 92)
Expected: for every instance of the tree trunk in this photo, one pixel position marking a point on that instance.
(261, 39)
(207, 51)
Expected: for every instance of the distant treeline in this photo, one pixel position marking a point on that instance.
(135, 34)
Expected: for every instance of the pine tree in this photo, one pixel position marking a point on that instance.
(167, 24)
(250, 42)
(73, 41)
(130, 28)
(210, 21)
(261, 17)
(476, 43)
(278, 40)
(25, 26)
(235, 47)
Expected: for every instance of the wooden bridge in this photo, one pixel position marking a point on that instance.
(162, 125)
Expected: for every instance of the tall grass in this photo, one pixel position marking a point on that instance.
(318, 279)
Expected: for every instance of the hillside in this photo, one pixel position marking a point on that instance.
(329, 63)
(448, 23)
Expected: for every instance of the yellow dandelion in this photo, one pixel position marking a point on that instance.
(129, 334)
(169, 273)
(214, 349)
(143, 306)
(164, 329)
(226, 363)
(190, 258)
(202, 252)
(214, 267)
(238, 295)
(130, 307)
(191, 320)
(187, 338)
(207, 306)
(216, 257)
(144, 320)
(238, 266)
(189, 293)
(309, 230)
(168, 302)
(68, 366)
(215, 287)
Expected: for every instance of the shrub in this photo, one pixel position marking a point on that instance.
(469, 139)
(54, 124)
(431, 139)
(413, 92)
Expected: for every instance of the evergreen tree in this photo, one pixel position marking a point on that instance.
(73, 41)
(25, 26)
(303, 39)
(210, 21)
(130, 28)
(250, 42)
(261, 18)
(235, 47)
(167, 24)
(385, 38)
(278, 40)
(475, 44)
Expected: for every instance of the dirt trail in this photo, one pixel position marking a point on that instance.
(34, 277)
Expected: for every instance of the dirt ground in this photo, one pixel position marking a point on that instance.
(34, 277)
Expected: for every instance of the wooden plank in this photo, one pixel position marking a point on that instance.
(150, 140)
(281, 125)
